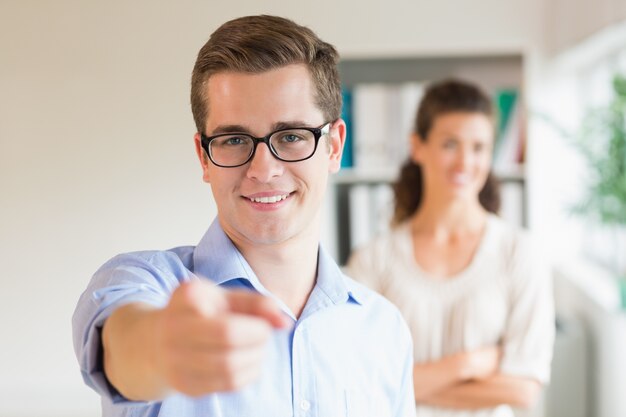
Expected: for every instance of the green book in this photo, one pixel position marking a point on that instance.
(347, 159)
(505, 100)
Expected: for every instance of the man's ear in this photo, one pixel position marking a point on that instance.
(203, 157)
(336, 141)
(416, 146)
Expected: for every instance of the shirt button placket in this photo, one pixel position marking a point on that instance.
(305, 405)
(301, 379)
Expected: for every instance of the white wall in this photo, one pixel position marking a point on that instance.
(96, 152)
(588, 293)
(574, 80)
(570, 84)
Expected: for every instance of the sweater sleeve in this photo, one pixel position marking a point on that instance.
(366, 265)
(529, 336)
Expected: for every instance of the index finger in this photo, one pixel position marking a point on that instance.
(255, 304)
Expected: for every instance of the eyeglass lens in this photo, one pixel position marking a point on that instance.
(288, 145)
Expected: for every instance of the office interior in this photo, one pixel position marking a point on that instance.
(97, 158)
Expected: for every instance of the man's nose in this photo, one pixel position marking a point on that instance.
(264, 166)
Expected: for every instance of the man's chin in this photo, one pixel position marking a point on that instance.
(268, 234)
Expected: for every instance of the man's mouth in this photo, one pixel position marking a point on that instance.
(268, 199)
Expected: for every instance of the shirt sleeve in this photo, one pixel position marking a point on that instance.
(143, 277)
(529, 336)
(406, 404)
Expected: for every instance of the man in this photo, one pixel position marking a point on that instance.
(256, 320)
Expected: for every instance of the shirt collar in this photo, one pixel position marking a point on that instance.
(217, 259)
(333, 282)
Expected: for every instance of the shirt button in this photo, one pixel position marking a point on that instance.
(305, 405)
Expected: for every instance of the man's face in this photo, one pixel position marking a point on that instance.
(246, 196)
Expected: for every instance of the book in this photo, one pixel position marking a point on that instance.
(505, 101)
(347, 159)
(383, 119)
(509, 145)
(403, 111)
(381, 200)
(371, 122)
(512, 197)
(359, 215)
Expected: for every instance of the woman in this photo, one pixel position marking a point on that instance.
(472, 289)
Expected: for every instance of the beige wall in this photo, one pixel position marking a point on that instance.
(571, 21)
(96, 152)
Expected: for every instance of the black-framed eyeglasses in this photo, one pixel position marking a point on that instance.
(230, 150)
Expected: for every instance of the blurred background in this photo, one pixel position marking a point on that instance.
(97, 157)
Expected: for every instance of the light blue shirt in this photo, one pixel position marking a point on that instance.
(348, 354)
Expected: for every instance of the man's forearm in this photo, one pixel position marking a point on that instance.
(490, 392)
(128, 339)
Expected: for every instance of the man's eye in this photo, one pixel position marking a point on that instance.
(235, 141)
(290, 138)
(232, 141)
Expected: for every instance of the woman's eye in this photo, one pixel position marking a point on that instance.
(450, 144)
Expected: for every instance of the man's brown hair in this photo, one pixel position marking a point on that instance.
(255, 44)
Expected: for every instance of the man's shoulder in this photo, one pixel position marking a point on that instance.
(371, 299)
(164, 260)
(147, 276)
(381, 316)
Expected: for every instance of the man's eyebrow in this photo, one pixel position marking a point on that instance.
(242, 129)
(229, 129)
(290, 124)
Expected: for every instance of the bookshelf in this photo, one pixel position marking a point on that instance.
(361, 197)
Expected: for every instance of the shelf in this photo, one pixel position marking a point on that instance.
(392, 82)
(490, 71)
(353, 176)
(514, 173)
(365, 176)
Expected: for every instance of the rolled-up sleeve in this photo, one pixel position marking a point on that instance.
(141, 277)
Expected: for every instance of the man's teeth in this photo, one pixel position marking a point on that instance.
(271, 199)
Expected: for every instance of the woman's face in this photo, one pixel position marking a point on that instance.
(456, 156)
